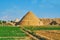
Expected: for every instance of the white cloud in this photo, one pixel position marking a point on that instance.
(8, 13)
(6, 17)
(12, 13)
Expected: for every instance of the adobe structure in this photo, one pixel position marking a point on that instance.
(50, 21)
(31, 20)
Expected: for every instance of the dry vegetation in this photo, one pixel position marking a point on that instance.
(51, 34)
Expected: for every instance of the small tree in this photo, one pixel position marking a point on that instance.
(3, 21)
(0, 22)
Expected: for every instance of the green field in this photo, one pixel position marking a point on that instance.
(6, 38)
(10, 31)
(11, 38)
(42, 27)
(14, 31)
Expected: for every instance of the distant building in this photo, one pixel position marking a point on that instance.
(16, 20)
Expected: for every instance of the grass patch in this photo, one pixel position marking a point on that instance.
(7, 39)
(7, 31)
(21, 38)
(43, 27)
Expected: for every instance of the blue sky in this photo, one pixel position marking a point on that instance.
(11, 9)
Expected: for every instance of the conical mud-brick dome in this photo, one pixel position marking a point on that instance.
(29, 20)
(16, 20)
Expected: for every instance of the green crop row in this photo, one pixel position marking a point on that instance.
(11, 31)
(42, 27)
(11, 38)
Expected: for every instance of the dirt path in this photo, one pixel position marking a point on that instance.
(34, 36)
